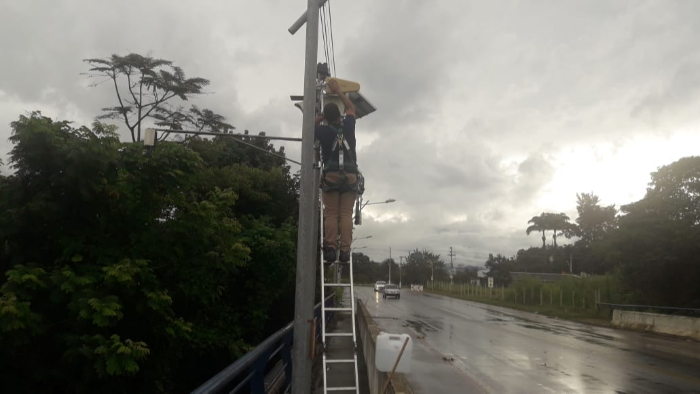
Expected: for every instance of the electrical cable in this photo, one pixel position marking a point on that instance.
(330, 18)
(324, 34)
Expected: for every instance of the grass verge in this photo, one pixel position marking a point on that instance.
(588, 315)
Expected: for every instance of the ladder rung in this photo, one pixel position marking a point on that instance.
(338, 309)
(337, 284)
(339, 334)
(339, 361)
(340, 388)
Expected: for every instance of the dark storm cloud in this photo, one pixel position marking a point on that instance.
(477, 101)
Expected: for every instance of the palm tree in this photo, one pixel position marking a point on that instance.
(558, 223)
(538, 224)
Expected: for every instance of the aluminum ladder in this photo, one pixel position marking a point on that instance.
(337, 362)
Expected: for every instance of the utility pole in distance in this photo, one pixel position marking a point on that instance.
(452, 266)
(400, 266)
(389, 264)
(307, 244)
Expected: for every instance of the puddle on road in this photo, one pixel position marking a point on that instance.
(539, 327)
(591, 379)
(421, 327)
(583, 334)
(594, 334)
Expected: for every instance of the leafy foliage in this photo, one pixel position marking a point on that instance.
(126, 272)
(500, 268)
(657, 246)
(420, 265)
(651, 247)
(144, 86)
(364, 269)
(594, 222)
(558, 223)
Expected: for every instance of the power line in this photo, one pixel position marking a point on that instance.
(330, 18)
(327, 35)
(324, 33)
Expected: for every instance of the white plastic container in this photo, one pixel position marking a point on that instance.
(388, 349)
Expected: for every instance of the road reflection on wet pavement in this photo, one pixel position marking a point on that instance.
(466, 347)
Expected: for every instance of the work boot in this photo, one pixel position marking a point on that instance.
(344, 257)
(329, 254)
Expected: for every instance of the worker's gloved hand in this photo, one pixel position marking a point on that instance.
(333, 86)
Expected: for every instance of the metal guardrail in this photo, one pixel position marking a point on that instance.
(669, 310)
(248, 372)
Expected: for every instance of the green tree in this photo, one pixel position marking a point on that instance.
(465, 275)
(421, 264)
(594, 222)
(201, 120)
(500, 268)
(126, 272)
(552, 260)
(559, 224)
(384, 271)
(144, 87)
(656, 246)
(364, 269)
(538, 224)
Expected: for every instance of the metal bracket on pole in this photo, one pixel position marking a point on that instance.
(302, 19)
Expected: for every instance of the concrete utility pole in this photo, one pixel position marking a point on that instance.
(571, 263)
(307, 244)
(452, 266)
(389, 264)
(400, 266)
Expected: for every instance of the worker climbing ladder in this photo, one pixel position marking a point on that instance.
(310, 103)
(331, 364)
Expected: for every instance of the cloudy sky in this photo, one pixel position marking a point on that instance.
(489, 112)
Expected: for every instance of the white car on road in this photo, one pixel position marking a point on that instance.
(379, 286)
(392, 291)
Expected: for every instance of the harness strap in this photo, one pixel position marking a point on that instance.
(340, 141)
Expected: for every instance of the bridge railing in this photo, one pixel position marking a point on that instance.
(247, 374)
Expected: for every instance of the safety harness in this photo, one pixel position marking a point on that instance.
(341, 146)
(346, 162)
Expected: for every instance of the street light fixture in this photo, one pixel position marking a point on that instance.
(381, 202)
(358, 208)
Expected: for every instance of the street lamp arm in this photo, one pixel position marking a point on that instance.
(388, 201)
(367, 237)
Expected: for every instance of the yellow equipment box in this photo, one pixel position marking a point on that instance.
(345, 86)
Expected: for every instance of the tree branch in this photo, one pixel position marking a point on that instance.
(163, 99)
(141, 98)
(121, 104)
(128, 79)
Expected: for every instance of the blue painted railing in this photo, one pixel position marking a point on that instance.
(248, 372)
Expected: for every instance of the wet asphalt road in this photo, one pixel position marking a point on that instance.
(498, 350)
